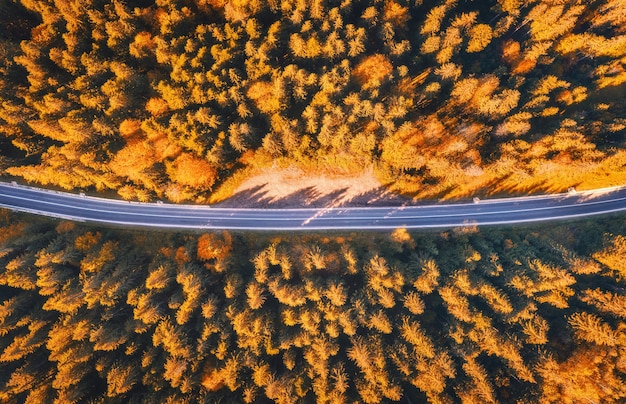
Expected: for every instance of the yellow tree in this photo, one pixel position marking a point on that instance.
(614, 255)
(589, 327)
(589, 374)
(121, 378)
(480, 37)
(373, 70)
(192, 171)
(255, 294)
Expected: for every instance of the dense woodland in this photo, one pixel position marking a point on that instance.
(180, 99)
(534, 314)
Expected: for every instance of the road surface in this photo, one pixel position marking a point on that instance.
(160, 215)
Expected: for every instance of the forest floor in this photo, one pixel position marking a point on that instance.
(279, 187)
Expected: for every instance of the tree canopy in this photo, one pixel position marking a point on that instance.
(443, 99)
(497, 315)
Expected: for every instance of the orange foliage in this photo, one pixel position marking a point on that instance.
(213, 381)
(372, 70)
(163, 148)
(178, 193)
(247, 157)
(130, 127)
(49, 129)
(192, 171)
(524, 66)
(143, 44)
(157, 106)
(87, 240)
(132, 161)
(65, 226)
(589, 375)
(166, 251)
(235, 10)
(9, 232)
(144, 40)
(614, 254)
(480, 37)
(565, 97)
(181, 256)
(265, 96)
(396, 14)
(511, 51)
(210, 246)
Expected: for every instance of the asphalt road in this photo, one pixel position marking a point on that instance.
(160, 215)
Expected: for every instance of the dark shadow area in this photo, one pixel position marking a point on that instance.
(312, 198)
(249, 197)
(16, 22)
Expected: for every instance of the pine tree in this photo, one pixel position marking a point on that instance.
(413, 334)
(120, 379)
(589, 327)
(612, 255)
(25, 344)
(255, 294)
(480, 36)
(172, 339)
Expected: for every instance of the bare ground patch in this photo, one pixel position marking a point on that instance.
(278, 187)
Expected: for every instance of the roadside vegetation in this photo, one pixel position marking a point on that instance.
(181, 99)
(534, 314)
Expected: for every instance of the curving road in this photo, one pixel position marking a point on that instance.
(486, 212)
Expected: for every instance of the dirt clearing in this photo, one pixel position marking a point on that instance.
(277, 187)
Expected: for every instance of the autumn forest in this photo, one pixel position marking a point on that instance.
(533, 314)
(443, 98)
(182, 100)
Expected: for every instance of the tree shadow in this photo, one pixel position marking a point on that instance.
(312, 197)
(248, 198)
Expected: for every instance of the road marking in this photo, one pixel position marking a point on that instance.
(310, 218)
